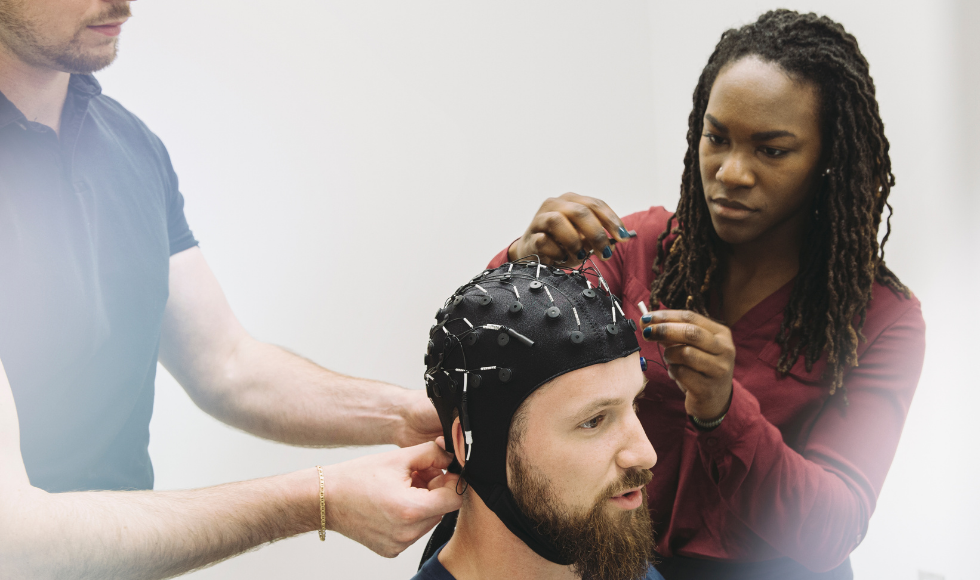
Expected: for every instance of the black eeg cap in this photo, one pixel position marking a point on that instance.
(499, 337)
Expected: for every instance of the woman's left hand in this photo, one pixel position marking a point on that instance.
(700, 356)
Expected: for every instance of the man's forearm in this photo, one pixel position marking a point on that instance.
(267, 391)
(275, 394)
(134, 534)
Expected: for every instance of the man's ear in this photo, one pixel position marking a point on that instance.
(459, 442)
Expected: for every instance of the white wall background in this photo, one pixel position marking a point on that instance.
(328, 148)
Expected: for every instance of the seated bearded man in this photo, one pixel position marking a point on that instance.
(534, 372)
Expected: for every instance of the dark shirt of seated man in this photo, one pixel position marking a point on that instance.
(535, 372)
(434, 570)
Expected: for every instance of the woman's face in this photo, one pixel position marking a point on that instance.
(759, 153)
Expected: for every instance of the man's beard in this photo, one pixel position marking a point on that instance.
(22, 38)
(600, 545)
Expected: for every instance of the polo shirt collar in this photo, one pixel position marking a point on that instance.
(9, 113)
(83, 87)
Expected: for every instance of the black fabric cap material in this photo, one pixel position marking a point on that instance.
(543, 347)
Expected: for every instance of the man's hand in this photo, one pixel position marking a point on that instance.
(568, 227)
(390, 500)
(700, 356)
(420, 422)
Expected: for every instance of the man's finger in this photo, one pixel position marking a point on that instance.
(445, 480)
(424, 526)
(426, 455)
(427, 475)
(438, 501)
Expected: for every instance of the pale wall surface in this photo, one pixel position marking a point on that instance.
(327, 150)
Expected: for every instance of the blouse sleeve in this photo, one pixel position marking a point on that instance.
(814, 505)
(500, 258)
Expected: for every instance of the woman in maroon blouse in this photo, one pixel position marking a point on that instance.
(790, 351)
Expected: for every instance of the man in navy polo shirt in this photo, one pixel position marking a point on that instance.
(100, 277)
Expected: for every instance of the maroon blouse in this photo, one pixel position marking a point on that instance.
(791, 471)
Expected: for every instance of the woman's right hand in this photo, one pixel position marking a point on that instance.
(568, 228)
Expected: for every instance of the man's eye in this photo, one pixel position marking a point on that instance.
(593, 422)
(714, 139)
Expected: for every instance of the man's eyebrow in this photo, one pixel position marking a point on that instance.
(599, 404)
(609, 402)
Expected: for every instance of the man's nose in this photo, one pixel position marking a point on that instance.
(637, 450)
(735, 171)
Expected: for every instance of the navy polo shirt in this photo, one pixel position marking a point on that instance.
(88, 222)
(432, 569)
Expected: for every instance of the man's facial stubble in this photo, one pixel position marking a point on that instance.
(23, 37)
(605, 546)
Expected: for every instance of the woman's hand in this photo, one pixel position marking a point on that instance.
(567, 228)
(700, 356)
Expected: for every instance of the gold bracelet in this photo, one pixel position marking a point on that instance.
(323, 508)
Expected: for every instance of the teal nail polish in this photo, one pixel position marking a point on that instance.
(647, 318)
(648, 332)
(607, 252)
(623, 233)
(581, 254)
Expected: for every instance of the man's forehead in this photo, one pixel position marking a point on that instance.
(593, 387)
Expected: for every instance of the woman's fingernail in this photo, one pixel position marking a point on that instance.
(581, 254)
(648, 332)
(623, 233)
(607, 252)
(647, 318)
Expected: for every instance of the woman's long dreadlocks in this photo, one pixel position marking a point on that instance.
(840, 257)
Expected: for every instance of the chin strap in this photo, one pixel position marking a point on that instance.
(503, 505)
(499, 499)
